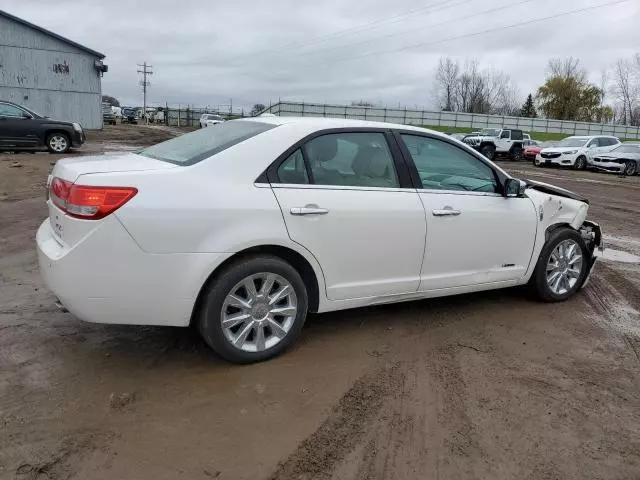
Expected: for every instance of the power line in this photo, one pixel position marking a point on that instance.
(146, 71)
(346, 32)
(422, 27)
(469, 35)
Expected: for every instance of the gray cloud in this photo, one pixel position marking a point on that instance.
(206, 52)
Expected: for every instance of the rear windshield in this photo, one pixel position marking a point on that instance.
(196, 146)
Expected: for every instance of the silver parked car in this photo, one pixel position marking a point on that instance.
(623, 159)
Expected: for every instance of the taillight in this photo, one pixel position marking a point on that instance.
(87, 201)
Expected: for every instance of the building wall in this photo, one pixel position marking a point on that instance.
(49, 76)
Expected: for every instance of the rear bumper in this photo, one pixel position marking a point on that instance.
(107, 278)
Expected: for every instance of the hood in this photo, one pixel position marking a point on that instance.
(553, 190)
(560, 149)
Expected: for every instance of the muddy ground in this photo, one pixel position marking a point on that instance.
(487, 386)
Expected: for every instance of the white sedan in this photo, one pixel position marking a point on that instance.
(242, 229)
(208, 119)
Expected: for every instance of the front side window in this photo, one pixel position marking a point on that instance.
(196, 146)
(505, 134)
(361, 159)
(10, 111)
(594, 143)
(442, 166)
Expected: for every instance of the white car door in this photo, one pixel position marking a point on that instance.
(348, 201)
(474, 234)
(503, 143)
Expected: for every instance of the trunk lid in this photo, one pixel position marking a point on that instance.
(71, 168)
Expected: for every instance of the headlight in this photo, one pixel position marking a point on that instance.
(77, 127)
(570, 152)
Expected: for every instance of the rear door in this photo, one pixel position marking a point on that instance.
(474, 234)
(345, 196)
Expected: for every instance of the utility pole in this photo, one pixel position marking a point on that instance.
(146, 70)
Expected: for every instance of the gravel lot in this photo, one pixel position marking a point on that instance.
(490, 385)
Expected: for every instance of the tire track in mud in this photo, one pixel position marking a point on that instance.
(342, 431)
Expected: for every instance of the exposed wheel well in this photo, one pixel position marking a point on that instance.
(553, 228)
(296, 260)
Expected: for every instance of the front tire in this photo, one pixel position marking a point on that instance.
(58, 143)
(253, 310)
(581, 163)
(516, 154)
(562, 266)
(630, 168)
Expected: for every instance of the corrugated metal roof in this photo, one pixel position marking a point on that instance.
(47, 32)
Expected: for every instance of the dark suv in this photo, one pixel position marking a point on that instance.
(23, 129)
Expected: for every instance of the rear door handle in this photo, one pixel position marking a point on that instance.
(446, 211)
(308, 210)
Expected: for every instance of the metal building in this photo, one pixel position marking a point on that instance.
(50, 74)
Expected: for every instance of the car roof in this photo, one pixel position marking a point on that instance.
(322, 123)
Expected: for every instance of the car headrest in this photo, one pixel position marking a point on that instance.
(323, 149)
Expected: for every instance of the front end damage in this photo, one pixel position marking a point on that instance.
(592, 237)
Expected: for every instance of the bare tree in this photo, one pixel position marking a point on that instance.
(447, 76)
(623, 88)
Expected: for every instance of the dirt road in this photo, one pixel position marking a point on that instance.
(489, 385)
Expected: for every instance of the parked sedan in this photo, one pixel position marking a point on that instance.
(532, 150)
(24, 129)
(624, 159)
(243, 228)
(576, 151)
(208, 119)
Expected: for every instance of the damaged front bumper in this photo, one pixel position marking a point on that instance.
(592, 236)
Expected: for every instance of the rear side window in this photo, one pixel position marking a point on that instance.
(196, 146)
(293, 169)
(361, 159)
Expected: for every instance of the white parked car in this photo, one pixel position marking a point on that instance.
(576, 152)
(208, 119)
(242, 229)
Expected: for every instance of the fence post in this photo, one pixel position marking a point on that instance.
(365, 113)
(547, 127)
(179, 116)
(385, 114)
(324, 110)
(302, 114)
(422, 119)
(345, 111)
(440, 118)
(405, 115)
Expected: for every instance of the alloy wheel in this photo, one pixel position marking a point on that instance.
(58, 143)
(564, 267)
(259, 312)
(630, 168)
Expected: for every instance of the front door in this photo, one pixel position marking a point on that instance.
(343, 200)
(16, 130)
(474, 234)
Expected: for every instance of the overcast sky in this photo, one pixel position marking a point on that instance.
(330, 51)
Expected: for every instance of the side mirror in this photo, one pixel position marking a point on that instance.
(27, 116)
(514, 187)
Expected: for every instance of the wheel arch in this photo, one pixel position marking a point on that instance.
(53, 130)
(294, 258)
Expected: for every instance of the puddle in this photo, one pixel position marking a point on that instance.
(618, 256)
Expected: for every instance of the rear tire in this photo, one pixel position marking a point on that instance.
(515, 155)
(488, 151)
(553, 266)
(253, 323)
(58, 143)
(581, 163)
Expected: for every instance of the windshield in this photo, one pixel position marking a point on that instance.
(573, 142)
(627, 149)
(490, 132)
(196, 146)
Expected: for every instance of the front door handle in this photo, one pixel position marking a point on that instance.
(308, 210)
(446, 211)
